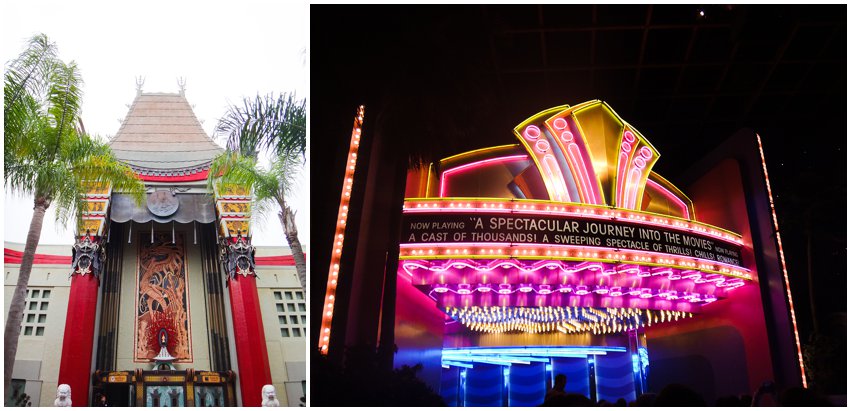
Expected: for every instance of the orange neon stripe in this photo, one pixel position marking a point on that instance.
(339, 234)
(783, 264)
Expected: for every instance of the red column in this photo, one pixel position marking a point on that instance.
(75, 367)
(250, 339)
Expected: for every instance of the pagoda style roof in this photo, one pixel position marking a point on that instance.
(161, 136)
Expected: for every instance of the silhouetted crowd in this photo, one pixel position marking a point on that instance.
(678, 395)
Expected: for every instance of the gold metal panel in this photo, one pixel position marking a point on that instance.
(601, 129)
(237, 225)
(165, 378)
(96, 188)
(229, 207)
(642, 142)
(211, 379)
(228, 190)
(116, 378)
(91, 224)
(95, 206)
(663, 206)
(537, 157)
(588, 195)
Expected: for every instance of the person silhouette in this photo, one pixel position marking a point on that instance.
(558, 388)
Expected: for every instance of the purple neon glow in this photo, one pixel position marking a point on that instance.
(670, 196)
(628, 136)
(476, 164)
(568, 247)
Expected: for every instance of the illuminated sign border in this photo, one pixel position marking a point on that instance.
(559, 230)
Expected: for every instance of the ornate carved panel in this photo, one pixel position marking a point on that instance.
(162, 297)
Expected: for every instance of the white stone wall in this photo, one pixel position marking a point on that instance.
(37, 359)
(287, 356)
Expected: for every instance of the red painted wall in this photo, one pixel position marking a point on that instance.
(14, 257)
(75, 366)
(419, 331)
(719, 199)
(251, 354)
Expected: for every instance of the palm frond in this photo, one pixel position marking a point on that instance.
(277, 125)
(27, 74)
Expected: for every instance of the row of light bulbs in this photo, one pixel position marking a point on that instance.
(560, 319)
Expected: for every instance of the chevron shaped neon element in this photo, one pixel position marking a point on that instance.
(635, 159)
(539, 143)
(573, 154)
(588, 154)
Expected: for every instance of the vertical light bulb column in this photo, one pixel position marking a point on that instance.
(233, 206)
(783, 263)
(339, 234)
(75, 366)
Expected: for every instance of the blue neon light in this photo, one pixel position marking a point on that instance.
(521, 355)
(636, 364)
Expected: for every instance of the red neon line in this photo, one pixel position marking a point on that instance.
(476, 164)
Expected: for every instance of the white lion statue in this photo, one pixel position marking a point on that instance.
(63, 396)
(270, 399)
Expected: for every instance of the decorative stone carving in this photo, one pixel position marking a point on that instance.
(63, 396)
(238, 257)
(163, 203)
(87, 257)
(270, 399)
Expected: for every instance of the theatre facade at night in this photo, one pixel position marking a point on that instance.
(566, 253)
(166, 303)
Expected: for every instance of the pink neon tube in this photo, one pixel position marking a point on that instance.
(576, 158)
(476, 164)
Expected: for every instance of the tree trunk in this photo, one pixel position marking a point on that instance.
(287, 218)
(16, 310)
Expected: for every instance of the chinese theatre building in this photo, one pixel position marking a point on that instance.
(167, 303)
(566, 253)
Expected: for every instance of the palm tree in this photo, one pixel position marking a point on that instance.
(270, 188)
(48, 156)
(278, 126)
(275, 124)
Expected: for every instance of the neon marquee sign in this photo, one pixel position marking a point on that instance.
(592, 240)
(556, 230)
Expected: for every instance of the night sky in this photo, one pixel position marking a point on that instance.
(461, 77)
